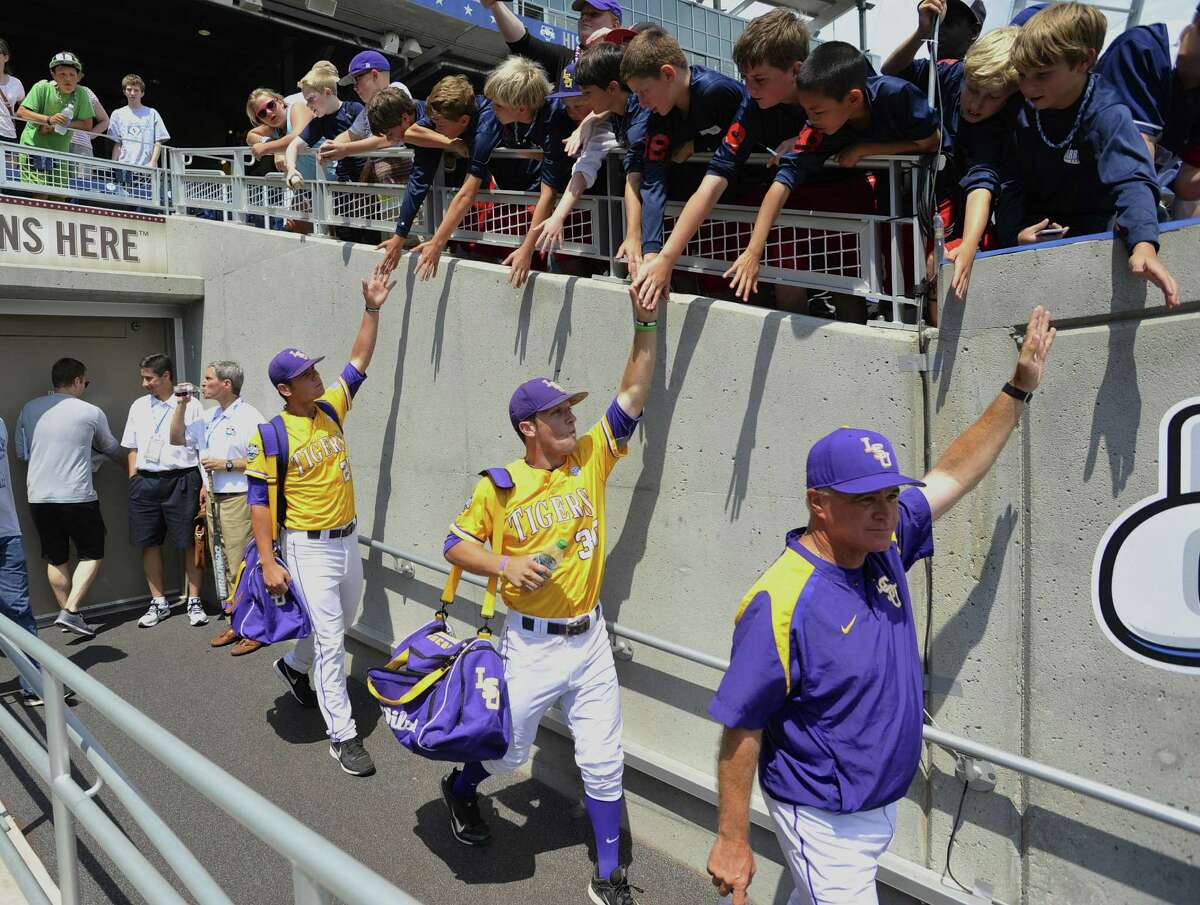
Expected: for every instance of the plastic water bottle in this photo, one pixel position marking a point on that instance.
(69, 112)
(552, 557)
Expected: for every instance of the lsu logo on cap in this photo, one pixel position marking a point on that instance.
(568, 80)
(877, 450)
(296, 353)
(552, 385)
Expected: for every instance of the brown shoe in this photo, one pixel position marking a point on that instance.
(226, 637)
(245, 646)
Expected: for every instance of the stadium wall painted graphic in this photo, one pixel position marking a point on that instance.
(1146, 574)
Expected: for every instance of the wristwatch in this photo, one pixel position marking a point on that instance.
(229, 464)
(1017, 393)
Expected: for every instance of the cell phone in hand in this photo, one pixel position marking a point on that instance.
(1052, 232)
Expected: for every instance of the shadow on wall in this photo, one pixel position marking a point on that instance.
(965, 629)
(630, 547)
(1118, 409)
(374, 596)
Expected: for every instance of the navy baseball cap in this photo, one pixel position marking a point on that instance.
(289, 363)
(365, 61)
(1027, 13)
(602, 6)
(855, 460)
(567, 86)
(976, 10)
(537, 395)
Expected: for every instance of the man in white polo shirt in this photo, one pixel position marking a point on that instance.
(221, 438)
(60, 435)
(164, 485)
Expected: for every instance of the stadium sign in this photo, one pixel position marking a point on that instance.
(45, 234)
(1146, 574)
(474, 13)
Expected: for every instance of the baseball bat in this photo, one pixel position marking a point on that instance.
(217, 544)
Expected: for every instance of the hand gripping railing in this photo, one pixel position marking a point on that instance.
(1053, 775)
(320, 869)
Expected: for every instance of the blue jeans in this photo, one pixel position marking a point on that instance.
(14, 586)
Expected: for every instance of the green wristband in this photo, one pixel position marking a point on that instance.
(645, 326)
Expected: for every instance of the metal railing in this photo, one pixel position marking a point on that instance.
(319, 869)
(74, 177)
(872, 255)
(957, 744)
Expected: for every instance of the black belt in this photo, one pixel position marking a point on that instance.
(333, 533)
(577, 627)
(171, 473)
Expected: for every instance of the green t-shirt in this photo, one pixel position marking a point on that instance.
(45, 98)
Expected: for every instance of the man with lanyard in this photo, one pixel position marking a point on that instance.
(593, 16)
(318, 539)
(550, 566)
(164, 485)
(824, 691)
(221, 439)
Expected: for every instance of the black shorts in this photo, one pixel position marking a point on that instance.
(162, 507)
(59, 524)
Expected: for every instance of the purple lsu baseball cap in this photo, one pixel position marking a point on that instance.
(601, 6)
(854, 460)
(289, 363)
(567, 87)
(365, 61)
(538, 395)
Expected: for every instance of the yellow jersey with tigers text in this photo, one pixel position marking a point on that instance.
(319, 486)
(546, 506)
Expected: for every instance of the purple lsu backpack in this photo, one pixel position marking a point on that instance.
(257, 613)
(445, 698)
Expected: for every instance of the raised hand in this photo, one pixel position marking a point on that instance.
(1039, 337)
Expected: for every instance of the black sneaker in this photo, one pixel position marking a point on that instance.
(352, 756)
(465, 823)
(297, 683)
(613, 891)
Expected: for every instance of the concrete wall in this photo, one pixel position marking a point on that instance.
(715, 478)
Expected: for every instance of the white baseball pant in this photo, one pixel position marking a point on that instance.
(329, 575)
(541, 669)
(833, 857)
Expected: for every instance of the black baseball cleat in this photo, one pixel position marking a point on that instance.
(465, 823)
(352, 757)
(613, 891)
(297, 683)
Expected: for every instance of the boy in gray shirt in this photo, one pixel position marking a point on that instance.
(59, 435)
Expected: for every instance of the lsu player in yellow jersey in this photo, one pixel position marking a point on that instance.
(316, 522)
(551, 564)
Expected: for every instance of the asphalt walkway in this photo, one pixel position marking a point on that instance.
(237, 713)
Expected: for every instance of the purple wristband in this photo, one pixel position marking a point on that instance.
(503, 563)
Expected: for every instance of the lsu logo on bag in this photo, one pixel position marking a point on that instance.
(443, 697)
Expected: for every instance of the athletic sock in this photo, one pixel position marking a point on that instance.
(606, 825)
(466, 784)
(159, 601)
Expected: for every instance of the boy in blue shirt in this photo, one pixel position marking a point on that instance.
(331, 117)
(1163, 94)
(1079, 163)
(685, 104)
(598, 74)
(513, 113)
(852, 114)
(769, 54)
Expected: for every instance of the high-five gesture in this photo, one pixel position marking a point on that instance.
(1039, 337)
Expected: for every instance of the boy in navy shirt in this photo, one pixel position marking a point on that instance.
(851, 115)
(331, 117)
(769, 54)
(685, 103)
(1076, 155)
(598, 75)
(1164, 97)
(565, 110)
(513, 113)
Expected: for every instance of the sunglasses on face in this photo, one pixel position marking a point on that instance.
(267, 109)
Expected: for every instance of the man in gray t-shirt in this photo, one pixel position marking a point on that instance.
(62, 437)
